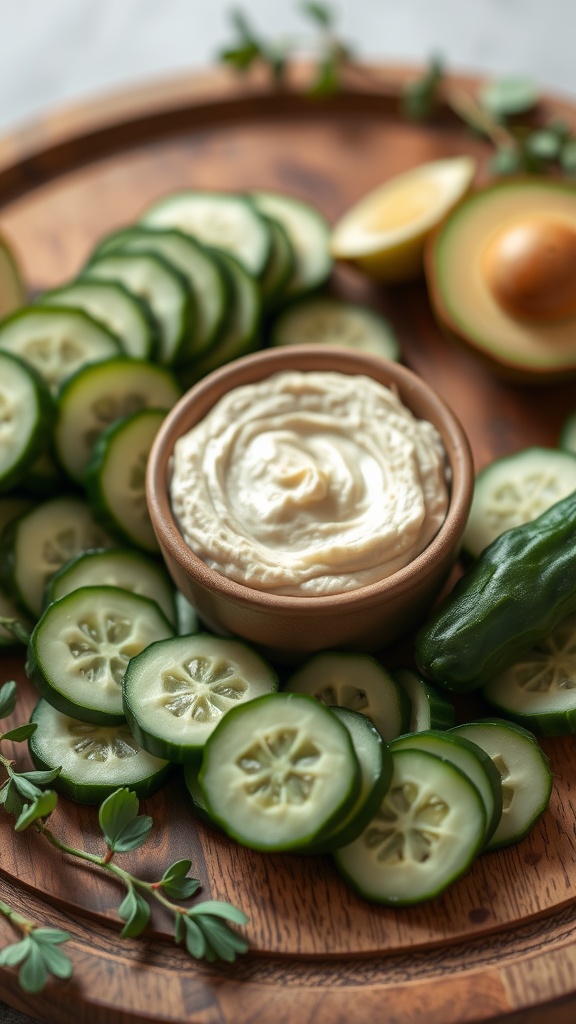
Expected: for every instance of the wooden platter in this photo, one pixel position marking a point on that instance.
(498, 945)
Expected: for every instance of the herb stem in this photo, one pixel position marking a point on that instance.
(106, 864)
(22, 923)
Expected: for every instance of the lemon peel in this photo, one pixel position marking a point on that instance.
(384, 233)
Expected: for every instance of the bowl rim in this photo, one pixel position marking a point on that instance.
(258, 365)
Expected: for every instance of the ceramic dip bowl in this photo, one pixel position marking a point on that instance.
(287, 626)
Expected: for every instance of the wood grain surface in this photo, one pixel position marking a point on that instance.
(500, 943)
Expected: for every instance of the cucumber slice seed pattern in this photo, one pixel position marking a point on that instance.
(408, 824)
(279, 768)
(202, 688)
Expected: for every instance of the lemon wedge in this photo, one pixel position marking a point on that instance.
(384, 233)
(12, 292)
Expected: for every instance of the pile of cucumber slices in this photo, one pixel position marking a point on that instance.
(340, 757)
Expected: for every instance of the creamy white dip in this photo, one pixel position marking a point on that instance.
(309, 483)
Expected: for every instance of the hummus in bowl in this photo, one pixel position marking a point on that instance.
(307, 499)
(309, 483)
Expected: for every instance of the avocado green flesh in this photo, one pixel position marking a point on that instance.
(459, 291)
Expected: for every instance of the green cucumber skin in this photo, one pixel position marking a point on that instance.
(81, 793)
(519, 589)
(41, 436)
(34, 672)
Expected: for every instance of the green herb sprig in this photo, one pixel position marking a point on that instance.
(203, 928)
(330, 53)
(493, 113)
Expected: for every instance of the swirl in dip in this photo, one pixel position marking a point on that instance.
(309, 483)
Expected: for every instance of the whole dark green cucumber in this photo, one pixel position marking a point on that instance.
(519, 589)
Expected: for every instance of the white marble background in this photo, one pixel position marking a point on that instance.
(54, 52)
(57, 51)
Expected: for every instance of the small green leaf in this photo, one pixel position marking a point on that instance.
(21, 732)
(40, 808)
(26, 789)
(135, 910)
(175, 882)
(41, 778)
(33, 974)
(55, 960)
(321, 13)
(224, 942)
(8, 695)
(124, 829)
(195, 941)
(506, 97)
(15, 953)
(11, 799)
(220, 909)
(542, 144)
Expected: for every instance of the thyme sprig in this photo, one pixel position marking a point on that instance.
(205, 928)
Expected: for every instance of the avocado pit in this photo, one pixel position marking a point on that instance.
(530, 267)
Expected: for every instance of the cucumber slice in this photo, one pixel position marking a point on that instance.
(357, 682)
(220, 219)
(38, 543)
(427, 832)
(470, 759)
(94, 759)
(240, 333)
(115, 477)
(568, 433)
(539, 690)
(280, 266)
(430, 709)
(279, 772)
(177, 691)
(309, 235)
(99, 395)
(126, 316)
(203, 274)
(525, 772)
(81, 646)
(516, 489)
(27, 415)
(12, 291)
(162, 286)
(56, 341)
(116, 567)
(323, 320)
(376, 769)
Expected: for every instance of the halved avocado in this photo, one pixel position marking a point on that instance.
(501, 275)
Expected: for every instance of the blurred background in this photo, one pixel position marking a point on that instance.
(54, 52)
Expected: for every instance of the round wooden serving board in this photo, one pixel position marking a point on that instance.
(501, 942)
